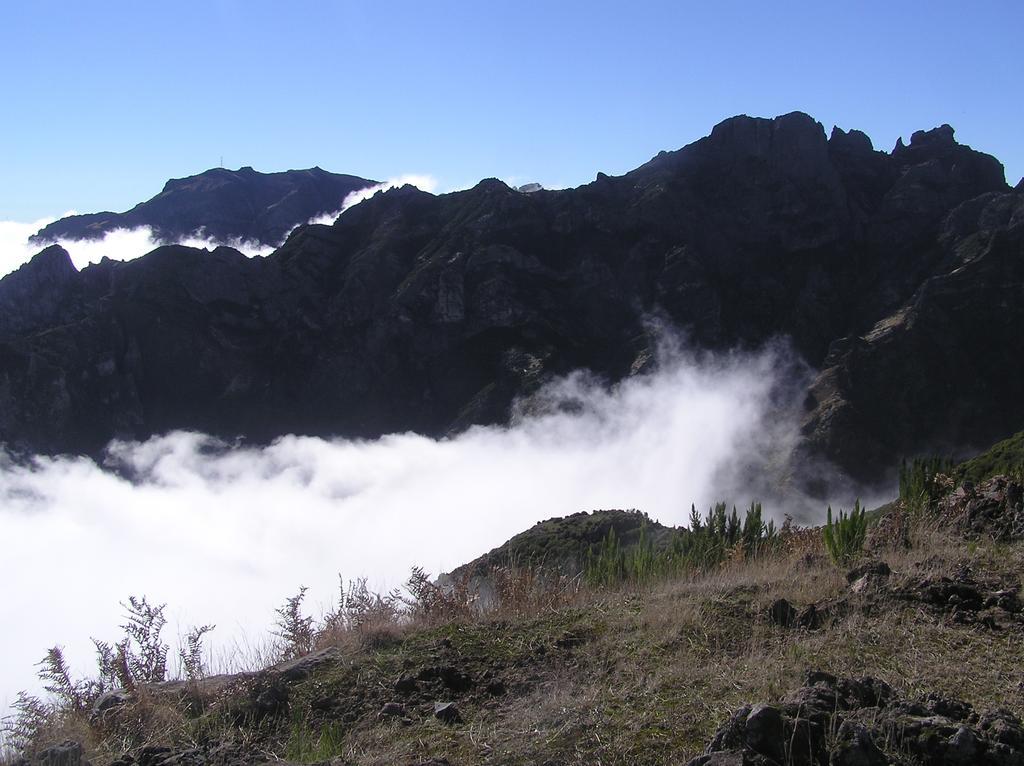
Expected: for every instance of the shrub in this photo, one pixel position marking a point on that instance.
(844, 538)
(432, 601)
(704, 545)
(139, 657)
(191, 654)
(293, 629)
(921, 482)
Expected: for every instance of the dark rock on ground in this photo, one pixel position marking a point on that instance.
(899, 275)
(250, 697)
(107, 703)
(67, 753)
(407, 685)
(963, 599)
(224, 205)
(877, 569)
(211, 754)
(392, 710)
(449, 677)
(782, 613)
(496, 688)
(868, 575)
(302, 667)
(447, 712)
(810, 617)
(858, 722)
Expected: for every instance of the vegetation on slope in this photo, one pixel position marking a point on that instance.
(1006, 457)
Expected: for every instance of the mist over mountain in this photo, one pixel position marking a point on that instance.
(221, 205)
(897, 275)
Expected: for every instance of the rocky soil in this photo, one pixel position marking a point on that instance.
(863, 722)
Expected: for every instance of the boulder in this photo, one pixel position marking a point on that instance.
(862, 722)
(447, 712)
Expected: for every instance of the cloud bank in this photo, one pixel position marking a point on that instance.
(126, 244)
(224, 534)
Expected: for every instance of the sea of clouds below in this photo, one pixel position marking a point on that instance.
(223, 536)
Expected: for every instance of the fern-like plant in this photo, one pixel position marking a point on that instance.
(295, 630)
(844, 537)
(191, 653)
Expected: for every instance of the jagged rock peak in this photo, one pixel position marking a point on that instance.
(756, 135)
(850, 141)
(52, 260)
(940, 136)
(50, 266)
(495, 184)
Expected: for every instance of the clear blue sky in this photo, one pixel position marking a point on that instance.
(103, 101)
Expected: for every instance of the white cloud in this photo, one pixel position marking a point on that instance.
(224, 536)
(118, 245)
(421, 182)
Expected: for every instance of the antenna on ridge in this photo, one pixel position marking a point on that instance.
(222, 160)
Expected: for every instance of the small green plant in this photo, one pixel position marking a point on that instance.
(844, 537)
(295, 630)
(191, 653)
(19, 732)
(703, 546)
(921, 482)
(436, 602)
(308, 745)
(140, 657)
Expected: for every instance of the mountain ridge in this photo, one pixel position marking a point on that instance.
(223, 205)
(432, 313)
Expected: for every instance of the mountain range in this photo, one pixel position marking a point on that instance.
(897, 276)
(222, 205)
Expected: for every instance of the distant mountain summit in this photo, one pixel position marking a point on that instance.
(223, 205)
(899, 276)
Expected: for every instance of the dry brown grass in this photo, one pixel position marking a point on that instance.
(640, 675)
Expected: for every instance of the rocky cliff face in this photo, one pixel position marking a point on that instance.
(898, 274)
(944, 368)
(223, 205)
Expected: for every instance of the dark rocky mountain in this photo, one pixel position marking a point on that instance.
(224, 204)
(899, 275)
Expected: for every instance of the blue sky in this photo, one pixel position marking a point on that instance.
(105, 101)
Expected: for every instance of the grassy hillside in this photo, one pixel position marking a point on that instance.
(1006, 457)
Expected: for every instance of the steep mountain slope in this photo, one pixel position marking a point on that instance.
(431, 313)
(223, 205)
(944, 369)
